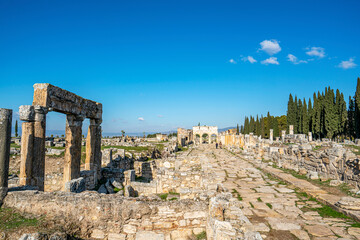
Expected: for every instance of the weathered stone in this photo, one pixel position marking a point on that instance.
(73, 147)
(75, 185)
(109, 188)
(102, 189)
(146, 235)
(5, 139)
(319, 231)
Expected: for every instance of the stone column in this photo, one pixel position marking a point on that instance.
(291, 129)
(283, 133)
(27, 114)
(310, 136)
(271, 135)
(73, 140)
(93, 139)
(5, 140)
(38, 161)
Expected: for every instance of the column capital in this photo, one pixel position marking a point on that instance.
(27, 113)
(74, 120)
(40, 113)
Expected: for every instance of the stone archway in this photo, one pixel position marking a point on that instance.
(51, 98)
(202, 130)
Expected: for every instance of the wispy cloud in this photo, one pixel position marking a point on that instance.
(232, 61)
(316, 52)
(347, 64)
(271, 47)
(160, 116)
(270, 60)
(141, 119)
(249, 59)
(294, 59)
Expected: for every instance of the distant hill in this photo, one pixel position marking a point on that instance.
(225, 129)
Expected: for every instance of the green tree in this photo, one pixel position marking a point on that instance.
(262, 126)
(350, 125)
(357, 109)
(310, 115)
(237, 130)
(257, 126)
(331, 119)
(341, 113)
(16, 129)
(305, 118)
(291, 112)
(299, 121)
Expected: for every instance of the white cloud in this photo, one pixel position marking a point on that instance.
(270, 60)
(160, 116)
(232, 61)
(294, 59)
(141, 119)
(270, 46)
(249, 58)
(347, 64)
(316, 51)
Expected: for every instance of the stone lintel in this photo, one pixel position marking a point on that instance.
(63, 101)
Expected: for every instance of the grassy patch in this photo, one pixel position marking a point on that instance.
(201, 236)
(14, 145)
(269, 205)
(238, 196)
(251, 205)
(316, 148)
(326, 211)
(172, 199)
(11, 220)
(355, 149)
(259, 199)
(163, 196)
(174, 193)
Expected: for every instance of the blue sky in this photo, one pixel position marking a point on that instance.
(159, 65)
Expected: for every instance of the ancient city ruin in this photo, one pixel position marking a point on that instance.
(202, 184)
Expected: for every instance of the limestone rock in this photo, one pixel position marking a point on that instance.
(130, 192)
(102, 189)
(312, 175)
(75, 185)
(147, 235)
(116, 183)
(109, 188)
(335, 182)
(349, 203)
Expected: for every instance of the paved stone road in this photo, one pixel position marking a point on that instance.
(275, 209)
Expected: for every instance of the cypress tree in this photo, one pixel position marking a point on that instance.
(351, 119)
(296, 110)
(237, 129)
(275, 126)
(242, 129)
(257, 126)
(310, 114)
(357, 109)
(268, 125)
(299, 117)
(305, 118)
(331, 119)
(16, 129)
(316, 116)
(246, 125)
(252, 124)
(291, 112)
(341, 114)
(262, 126)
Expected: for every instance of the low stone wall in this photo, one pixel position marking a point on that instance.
(101, 216)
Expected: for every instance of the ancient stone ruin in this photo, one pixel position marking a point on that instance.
(50, 98)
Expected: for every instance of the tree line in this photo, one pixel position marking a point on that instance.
(261, 126)
(326, 115)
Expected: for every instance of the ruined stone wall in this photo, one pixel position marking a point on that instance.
(99, 216)
(322, 159)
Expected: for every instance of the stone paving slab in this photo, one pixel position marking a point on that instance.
(274, 209)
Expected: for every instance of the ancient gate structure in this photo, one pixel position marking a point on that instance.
(201, 130)
(51, 98)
